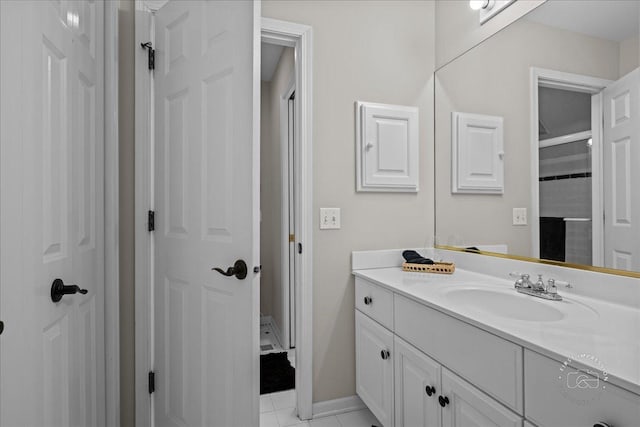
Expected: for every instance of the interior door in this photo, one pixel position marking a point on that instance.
(206, 325)
(52, 353)
(621, 155)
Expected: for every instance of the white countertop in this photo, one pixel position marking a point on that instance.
(609, 332)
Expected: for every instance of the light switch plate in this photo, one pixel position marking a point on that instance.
(329, 218)
(519, 216)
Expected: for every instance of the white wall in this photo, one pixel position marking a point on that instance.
(380, 51)
(271, 278)
(493, 79)
(266, 260)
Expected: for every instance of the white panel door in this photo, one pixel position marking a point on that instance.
(621, 157)
(417, 387)
(205, 325)
(374, 367)
(52, 353)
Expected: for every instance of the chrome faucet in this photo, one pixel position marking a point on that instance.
(538, 289)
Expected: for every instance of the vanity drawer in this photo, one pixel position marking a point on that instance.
(489, 362)
(375, 301)
(551, 402)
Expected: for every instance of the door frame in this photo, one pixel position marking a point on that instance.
(275, 32)
(299, 37)
(577, 83)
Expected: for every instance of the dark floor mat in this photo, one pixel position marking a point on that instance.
(276, 373)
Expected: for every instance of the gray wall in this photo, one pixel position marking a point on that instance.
(458, 27)
(380, 51)
(271, 285)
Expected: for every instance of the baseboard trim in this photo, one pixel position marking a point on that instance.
(337, 406)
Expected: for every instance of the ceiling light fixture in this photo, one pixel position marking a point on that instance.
(481, 4)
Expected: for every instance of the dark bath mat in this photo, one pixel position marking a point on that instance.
(276, 373)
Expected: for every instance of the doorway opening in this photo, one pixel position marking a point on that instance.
(566, 166)
(277, 225)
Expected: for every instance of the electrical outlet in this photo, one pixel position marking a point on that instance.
(329, 218)
(519, 216)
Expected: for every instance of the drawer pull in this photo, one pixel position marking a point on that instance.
(368, 300)
(430, 390)
(385, 354)
(444, 401)
(602, 424)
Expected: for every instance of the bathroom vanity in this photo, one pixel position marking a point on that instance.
(467, 349)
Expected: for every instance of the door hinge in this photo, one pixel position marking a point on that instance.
(152, 382)
(152, 54)
(151, 221)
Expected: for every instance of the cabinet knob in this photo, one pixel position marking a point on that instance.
(444, 401)
(385, 354)
(430, 390)
(368, 300)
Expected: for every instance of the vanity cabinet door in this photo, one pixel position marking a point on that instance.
(557, 394)
(417, 386)
(463, 405)
(374, 367)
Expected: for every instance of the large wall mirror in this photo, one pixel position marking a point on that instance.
(545, 114)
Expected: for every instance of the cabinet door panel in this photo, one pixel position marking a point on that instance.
(374, 374)
(554, 398)
(414, 372)
(469, 407)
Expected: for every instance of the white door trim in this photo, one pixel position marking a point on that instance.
(578, 83)
(300, 38)
(111, 216)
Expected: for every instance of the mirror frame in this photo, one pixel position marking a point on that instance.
(605, 270)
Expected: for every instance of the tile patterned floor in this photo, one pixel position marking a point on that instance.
(278, 410)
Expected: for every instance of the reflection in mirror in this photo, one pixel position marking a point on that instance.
(565, 81)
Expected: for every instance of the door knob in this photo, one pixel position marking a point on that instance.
(443, 400)
(59, 289)
(239, 270)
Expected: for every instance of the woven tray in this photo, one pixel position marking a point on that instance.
(437, 267)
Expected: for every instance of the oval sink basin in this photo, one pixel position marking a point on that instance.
(511, 306)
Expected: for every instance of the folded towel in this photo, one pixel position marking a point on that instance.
(414, 257)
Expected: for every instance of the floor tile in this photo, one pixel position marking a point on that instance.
(362, 418)
(269, 419)
(266, 404)
(287, 417)
(330, 421)
(283, 399)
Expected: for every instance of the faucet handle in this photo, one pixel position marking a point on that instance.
(551, 288)
(565, 284)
